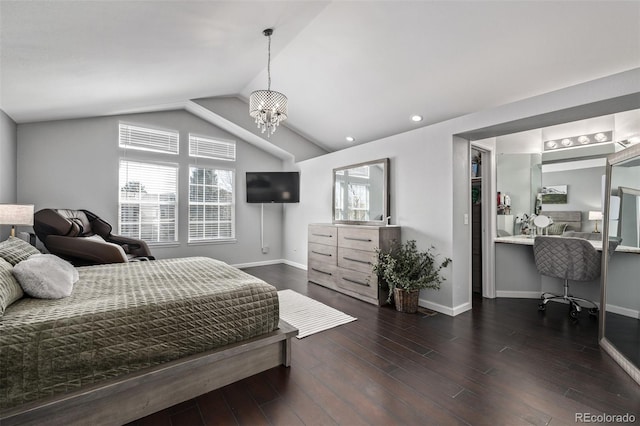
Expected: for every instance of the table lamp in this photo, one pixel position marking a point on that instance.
(16, 214)
(595, 215)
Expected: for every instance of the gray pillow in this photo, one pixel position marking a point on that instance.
(556, 228)
(14, 250)
(46, 276)
(10, 290)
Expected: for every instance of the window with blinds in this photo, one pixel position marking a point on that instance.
(200, 146)
(148, 201)
(135, 137)
(211, 204)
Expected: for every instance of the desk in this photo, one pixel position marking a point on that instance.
(517, 275)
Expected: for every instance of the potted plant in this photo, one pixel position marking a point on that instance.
(405, 271)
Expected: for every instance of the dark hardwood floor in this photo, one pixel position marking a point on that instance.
(504, 363)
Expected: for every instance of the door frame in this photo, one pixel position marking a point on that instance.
(489, 212)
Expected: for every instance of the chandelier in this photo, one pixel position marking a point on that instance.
(268, 108)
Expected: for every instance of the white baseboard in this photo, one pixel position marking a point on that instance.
(261, 263)
(271, 262)
(631, 313)
(518, 294)
(452, 312)
(294, 264)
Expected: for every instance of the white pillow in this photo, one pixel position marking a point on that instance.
(46, 276)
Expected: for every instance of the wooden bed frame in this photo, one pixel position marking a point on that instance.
(136, 395)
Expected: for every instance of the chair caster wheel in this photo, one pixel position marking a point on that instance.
(594, 312)
(542, 306)
(574, 314)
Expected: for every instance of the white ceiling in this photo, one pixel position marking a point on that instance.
(358, 68)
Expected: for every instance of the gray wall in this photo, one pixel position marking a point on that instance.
(430, 181)
(237, 112)
(584, 192)
(74, 164)
(8, 173)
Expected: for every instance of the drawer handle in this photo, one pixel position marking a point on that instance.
(356, 282)
(322, 272)
(357, 260)
(323, 235)
(367, 240)
(321, 254)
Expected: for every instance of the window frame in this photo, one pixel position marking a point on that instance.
(232, 204)
(151, 129)
(176, 203)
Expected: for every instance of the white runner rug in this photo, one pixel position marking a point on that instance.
(307, 315)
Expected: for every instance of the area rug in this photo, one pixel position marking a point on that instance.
(307, 315)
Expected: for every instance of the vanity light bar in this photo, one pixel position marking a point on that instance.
(577, 141)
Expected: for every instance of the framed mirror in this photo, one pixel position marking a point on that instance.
(361, 193)
(620, 297)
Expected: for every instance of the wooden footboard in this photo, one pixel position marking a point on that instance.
(137, 395)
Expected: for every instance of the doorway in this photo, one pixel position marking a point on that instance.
(483, 211)
(476, 221)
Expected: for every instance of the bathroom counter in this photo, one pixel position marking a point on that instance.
(527, 240)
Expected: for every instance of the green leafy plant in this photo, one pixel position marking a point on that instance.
(404, 267)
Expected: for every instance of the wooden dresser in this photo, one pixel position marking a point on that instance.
(341, 257)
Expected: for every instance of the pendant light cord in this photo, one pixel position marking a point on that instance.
(269, 65)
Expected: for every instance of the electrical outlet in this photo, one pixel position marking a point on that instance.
(265, 249)
(466, 219)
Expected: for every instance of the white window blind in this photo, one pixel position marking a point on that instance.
(148, 201)
(211, 204)
(200, 146)
(135, 137)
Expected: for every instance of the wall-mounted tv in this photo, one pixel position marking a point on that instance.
(273, 187)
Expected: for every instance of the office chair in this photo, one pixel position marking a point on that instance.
(574, 259)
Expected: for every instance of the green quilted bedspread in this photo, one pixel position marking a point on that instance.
(122, 318)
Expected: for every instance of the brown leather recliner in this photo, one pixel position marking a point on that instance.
(82, 238)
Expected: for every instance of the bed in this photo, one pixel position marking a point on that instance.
(564, 221)
(138, 336)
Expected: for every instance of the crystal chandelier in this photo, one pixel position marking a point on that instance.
(268, 108)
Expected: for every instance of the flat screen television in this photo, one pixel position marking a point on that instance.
(273, 187)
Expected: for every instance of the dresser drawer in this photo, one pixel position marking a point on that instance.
(322, 273)
(322, 253)
(323, 234)
(357, 260)
(358, 238)
(358, 282)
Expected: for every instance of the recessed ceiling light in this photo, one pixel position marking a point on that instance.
(416, 118)
(567, 142)
(350, 139)
(552, 144)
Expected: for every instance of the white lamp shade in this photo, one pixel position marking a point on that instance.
(16, 214)
(595, 215)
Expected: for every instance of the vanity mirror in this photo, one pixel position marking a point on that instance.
(620, 318)
(361, 193)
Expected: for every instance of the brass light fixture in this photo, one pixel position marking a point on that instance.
(268, 107)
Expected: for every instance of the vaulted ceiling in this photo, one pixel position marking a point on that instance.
(349, 68)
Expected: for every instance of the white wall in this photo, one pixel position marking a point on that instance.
(430, 180)
(74, 164)
(8, 174)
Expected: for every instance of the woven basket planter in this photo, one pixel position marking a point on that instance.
(406, 301)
